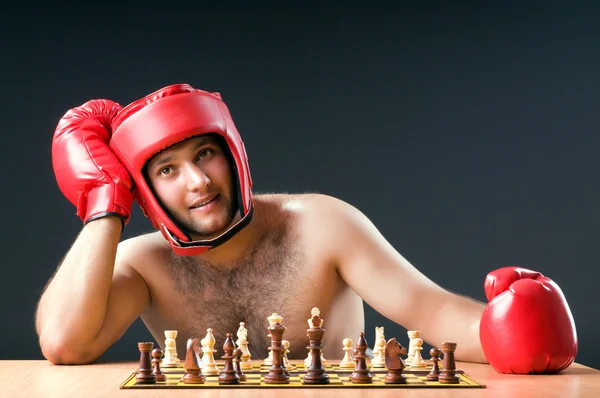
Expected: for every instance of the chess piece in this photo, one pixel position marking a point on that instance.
(156, 356)
(361, 374)
(378, 360)
(242, 343)
(193, 373)
(144, 372)
(315, 374)
(209, 365)
(394, 363)
(277, 374)
(412, 335)
(286, 362)
(418, 361)
(348, 360)
(273, 319)
(314, 311)
(228, 375)
(237, 359)
(448, 374)
(435, 369)
(308, 359)
(379, 334)
(170, 360)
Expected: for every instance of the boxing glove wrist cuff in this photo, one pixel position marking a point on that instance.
(104, 200)
(107, 214)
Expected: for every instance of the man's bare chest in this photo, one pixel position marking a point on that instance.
(200, 296)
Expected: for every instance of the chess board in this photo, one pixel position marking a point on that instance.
(339, 377)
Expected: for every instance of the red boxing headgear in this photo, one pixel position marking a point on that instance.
(164, 118)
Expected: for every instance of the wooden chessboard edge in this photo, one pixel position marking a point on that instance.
(338, 383)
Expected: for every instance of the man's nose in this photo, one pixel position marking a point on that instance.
(196, 178)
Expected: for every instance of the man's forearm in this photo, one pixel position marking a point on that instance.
(457, 321)
(471, 309)
(71, 311)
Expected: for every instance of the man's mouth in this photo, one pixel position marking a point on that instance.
(199, 205)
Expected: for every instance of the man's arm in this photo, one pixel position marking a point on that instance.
(90, 301)
(92, 298)
(394, 287)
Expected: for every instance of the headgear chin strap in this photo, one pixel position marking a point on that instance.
(164, 118)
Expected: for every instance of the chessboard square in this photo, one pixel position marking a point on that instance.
(467, 380)
(344, 370)
(416, 380)
(180, 383)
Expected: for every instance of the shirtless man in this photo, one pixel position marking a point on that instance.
(222, 255)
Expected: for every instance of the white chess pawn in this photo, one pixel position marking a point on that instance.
(348, 360)
(209, 366)
(286, 349)
(307, 360)
(273, 319)
(170, 360)
(412, 335)
(417, 361)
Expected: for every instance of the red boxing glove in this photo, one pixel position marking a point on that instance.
(527, 326)
(87, 171)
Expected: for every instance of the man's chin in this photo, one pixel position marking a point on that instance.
(208, 233)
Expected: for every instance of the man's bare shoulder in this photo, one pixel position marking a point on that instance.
(143, 250)
(308, 206)
(322, 221)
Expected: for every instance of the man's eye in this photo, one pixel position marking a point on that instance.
(164, 171)
(204, 153)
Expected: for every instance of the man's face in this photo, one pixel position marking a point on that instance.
(194, 182)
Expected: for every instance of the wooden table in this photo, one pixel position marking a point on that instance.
(42, 379)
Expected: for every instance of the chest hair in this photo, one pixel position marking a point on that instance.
(220, 297)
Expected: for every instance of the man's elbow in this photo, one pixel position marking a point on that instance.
(61, 352)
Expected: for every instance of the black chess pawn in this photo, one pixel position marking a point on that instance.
(144, 372)
(361, 374)
(435, 369)
(237, 358)
(156, 357)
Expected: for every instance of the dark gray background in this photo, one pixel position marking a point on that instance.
(467, 133)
